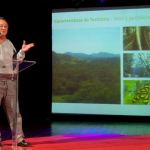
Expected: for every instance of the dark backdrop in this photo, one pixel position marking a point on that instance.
(31, 21)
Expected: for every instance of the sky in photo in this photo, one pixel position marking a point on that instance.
(88, 41)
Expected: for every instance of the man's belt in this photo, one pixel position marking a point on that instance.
(5, 77)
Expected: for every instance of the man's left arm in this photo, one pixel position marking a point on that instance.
(20, 55)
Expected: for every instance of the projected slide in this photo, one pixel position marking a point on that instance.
(101, 61)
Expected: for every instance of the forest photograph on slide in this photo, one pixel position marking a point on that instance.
(136, 38)
(86, 65)
(136, 92)
(136, 64)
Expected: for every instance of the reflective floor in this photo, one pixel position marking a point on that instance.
(69, 135)
(52, 128)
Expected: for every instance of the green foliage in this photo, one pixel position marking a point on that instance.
(84, 81)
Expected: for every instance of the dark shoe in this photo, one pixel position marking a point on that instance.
(0, 145)
(23, 143)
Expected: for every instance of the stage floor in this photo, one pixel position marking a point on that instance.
(71, 135)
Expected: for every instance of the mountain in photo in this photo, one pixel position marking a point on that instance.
(93, 56)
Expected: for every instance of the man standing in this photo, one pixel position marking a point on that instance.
(7, 90)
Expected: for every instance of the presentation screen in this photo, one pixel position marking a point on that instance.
(101, 61)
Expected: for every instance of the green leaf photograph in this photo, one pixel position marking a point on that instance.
(136, 92)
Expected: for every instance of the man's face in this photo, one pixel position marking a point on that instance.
(3, 27)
